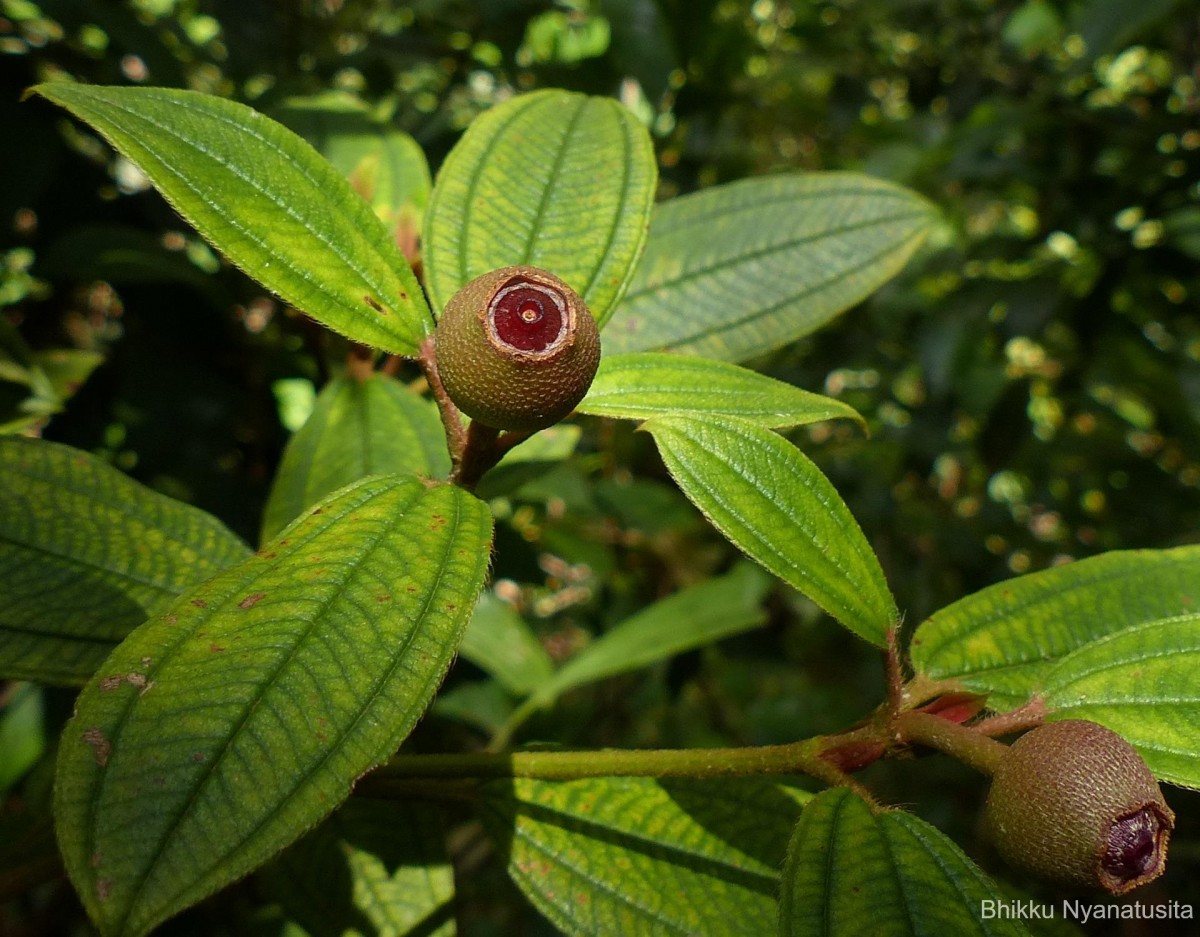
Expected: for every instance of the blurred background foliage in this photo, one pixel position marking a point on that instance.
(1032, 380)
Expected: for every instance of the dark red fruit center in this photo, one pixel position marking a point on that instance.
(1132, 846)
(527, 317)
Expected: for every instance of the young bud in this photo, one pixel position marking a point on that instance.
(1073, 801)
(517, 349)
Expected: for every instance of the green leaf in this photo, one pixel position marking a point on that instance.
(87, 555)
(773, 503)
(1141, 683)
(499, 641)
(1004, 639)
(553, 179)
(634, 856)
(356, 428)
(851, 871)
(696, 616)
(22, 733)
(644, 385)
(231, 723)
(374, 867)
(484, 704)
(268, 201)
(384, 165)
(740, 269)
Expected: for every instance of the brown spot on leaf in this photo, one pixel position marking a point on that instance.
(375, 304)
(133, 679)
(103, 888)
(251, 600)
(101, 747)
(199, 757)
(383, 598)
(318, 510)
(215, 648)
(199, 603)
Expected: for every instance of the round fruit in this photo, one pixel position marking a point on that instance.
(517, 349)
(1074, 802)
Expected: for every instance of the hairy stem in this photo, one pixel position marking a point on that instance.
(968, 745)
(456, 435)
(1029, 716)
(479, 454)
(804, 757)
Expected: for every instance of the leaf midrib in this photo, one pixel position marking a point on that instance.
(385, 293)
(776, 247)
(183, 636)
(368, 701)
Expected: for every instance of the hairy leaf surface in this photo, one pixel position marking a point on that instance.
(773, 503)
(1004, 639)
(267, 200)
(851, 871)
(739, 269)
(239, 717)
(643, 385)
(1141, 683)
(634, 856)
(552, 179)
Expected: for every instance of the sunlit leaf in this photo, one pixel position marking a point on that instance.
(268, 201)
(643, 385)
(86, 555)
(739, 269)
(553, 179)
(239, 717)
(1141, 683)
(773, 503)
(852, 871)
(1004, 639)
(386, 166)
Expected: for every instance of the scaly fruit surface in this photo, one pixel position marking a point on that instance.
(517, 349)
(1073, 802)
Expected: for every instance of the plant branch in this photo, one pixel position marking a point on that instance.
(456, 435)
(1029, 716)
(804, 757)
(479, 453)
(966, 744)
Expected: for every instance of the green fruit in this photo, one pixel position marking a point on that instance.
(517, 349)
(1073, 801)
